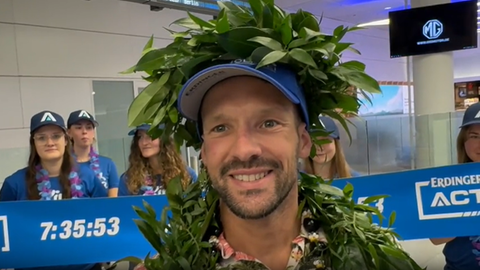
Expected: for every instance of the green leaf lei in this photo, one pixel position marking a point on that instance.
(265, 35)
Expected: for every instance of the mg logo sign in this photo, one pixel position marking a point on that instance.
(432, 29)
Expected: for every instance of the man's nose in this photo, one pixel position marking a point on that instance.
(246, 145)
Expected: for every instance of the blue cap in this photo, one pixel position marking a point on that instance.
(194, 90)
(329, 126)
(144, 127)
(471, 116)
(80, 115)
(45, 118)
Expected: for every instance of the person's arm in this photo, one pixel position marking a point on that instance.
(113, 180)
(122, 186)
(440, 241)
(7, 192)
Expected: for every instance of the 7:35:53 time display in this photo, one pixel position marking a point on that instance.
(80, 228)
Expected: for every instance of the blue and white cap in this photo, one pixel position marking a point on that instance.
(45, 118)
(471, 116)
(80, 115)
(144, 127)
(195, 89)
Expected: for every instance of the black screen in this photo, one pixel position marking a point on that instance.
(433, 29)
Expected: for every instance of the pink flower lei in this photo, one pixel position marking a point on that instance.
(44, 185)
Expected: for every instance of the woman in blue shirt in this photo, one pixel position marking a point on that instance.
(463, 253)
(330, 162)
(51, 173)
(152, 164)
(81, 129)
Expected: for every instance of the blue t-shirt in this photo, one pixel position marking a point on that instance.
(159, 190)
(15, 189)
(108, 176)
(462, 253)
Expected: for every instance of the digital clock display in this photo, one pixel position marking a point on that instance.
(80, 228)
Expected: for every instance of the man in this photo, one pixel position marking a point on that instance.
(253, 123)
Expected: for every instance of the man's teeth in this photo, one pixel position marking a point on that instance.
(249, 177)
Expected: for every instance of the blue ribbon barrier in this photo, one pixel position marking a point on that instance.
(429, 203)
(68, 232)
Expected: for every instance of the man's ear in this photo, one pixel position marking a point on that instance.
(305, 142)
(202, 154)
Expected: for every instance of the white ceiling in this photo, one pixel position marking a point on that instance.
(351, 11)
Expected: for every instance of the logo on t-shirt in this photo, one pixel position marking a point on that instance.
(160, 190)
(55, 195)
(103, 180)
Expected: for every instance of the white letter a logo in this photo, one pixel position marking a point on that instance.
(48, 117)
(84, 114)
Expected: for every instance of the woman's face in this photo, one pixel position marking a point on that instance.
(148, 147)
(50, 142)
(326, 151)
(472, 143)
(82, 133)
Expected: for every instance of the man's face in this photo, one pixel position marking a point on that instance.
(252, 142)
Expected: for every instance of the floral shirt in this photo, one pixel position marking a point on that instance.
(301, 257)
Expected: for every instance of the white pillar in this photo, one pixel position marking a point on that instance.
(433, 85)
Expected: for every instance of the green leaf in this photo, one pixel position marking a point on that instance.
(184, 263)
(130, 259)
(259, 53)
(375, 198)
(271, 58)
(187, 23)
(173, 115)
(348, 190)
(303, 57)
(236, 41)
(200, 22)
(297, 43)
(222, 23)
(307, 34)
(391, 220)
(304, 19)
(330, 190)
(374, 254)
(135, 111)
(153, 60)
(268, 42)
(286, 30)
(318, 74)
(149, 44)
(357, 79)
(356, 65)
(257, 8)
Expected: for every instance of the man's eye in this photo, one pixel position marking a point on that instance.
(220, 128)
(270, 124)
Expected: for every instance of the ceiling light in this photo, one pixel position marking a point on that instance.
(387, 8)
(375, 23)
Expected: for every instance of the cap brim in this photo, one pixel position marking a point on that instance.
(473, 122)
(191, 96)
(134, 131)
(94, 122)
(48, 124)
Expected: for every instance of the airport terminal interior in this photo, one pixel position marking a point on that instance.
(66, 55)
